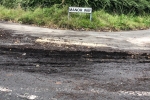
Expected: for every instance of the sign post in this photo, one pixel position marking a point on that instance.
(80, 10)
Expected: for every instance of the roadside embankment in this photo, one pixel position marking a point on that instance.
(57, 18)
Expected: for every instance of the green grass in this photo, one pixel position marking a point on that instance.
(57, 17)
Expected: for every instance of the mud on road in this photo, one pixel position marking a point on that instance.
(29, 72)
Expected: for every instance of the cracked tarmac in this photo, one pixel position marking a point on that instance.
(31, 70)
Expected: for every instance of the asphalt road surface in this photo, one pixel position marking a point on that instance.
(30, 71)
(51, 75)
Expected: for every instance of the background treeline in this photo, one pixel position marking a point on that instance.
(114, 6)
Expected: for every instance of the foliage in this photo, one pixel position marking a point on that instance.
(108, 14)
(113, 6)
(55, 17)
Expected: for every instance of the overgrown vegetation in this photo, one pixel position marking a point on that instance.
(108, 15)
(115, 6)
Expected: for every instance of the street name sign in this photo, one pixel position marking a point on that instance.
(80, 10)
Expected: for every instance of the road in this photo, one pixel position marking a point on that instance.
(54, 39)
(43, 75)
(31, 70)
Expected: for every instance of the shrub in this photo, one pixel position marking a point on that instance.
(113, 6)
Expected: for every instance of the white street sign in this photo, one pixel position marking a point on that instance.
(80, 10)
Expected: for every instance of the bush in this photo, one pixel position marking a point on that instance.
(113, 6)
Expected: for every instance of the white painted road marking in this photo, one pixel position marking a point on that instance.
(28, 96)
(102, 91)
(3, 89)
(135, 93)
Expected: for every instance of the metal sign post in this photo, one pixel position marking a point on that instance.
(80, 10)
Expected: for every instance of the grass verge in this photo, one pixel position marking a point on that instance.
(56, 17)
